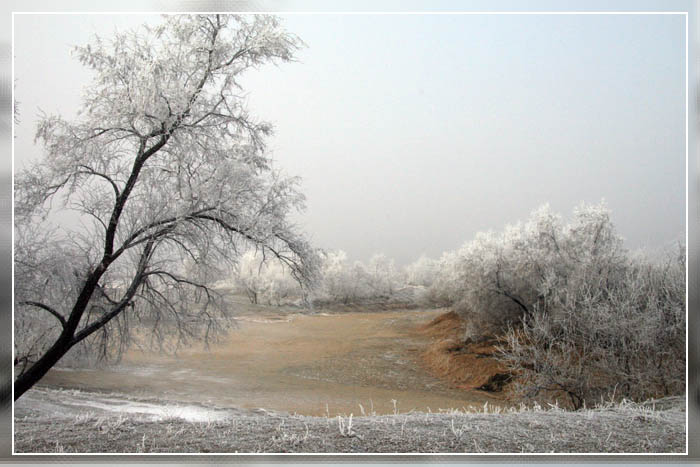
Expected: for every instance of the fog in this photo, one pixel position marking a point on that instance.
(413, 132)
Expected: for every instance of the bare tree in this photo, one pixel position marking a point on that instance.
(165, 167)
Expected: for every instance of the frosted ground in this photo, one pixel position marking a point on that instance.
(71, 421)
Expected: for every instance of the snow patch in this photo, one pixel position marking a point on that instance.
(189, 413)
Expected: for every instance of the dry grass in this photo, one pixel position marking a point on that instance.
(626, 427)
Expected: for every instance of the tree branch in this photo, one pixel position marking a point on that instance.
(91, 171)
(126, 299)
(55, 313)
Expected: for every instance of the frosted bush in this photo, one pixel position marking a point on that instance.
(266, 281)
(581, 316)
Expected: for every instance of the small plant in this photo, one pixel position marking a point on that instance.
(106, 423)
(457, 432)
(345, 427)
(83, 417)
(142, 447)
(292, 439)
(403, 425)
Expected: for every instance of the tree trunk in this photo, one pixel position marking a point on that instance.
(37, 371)
(64, 342)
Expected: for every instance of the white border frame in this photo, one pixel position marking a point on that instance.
(396, 13)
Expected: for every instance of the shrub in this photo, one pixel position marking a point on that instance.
(501, 278)
(580, 315)
(422, 272)
(622, 337)
(446, 288)
(266, 281)
(342, 282)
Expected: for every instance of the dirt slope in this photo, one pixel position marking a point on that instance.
(464, 365)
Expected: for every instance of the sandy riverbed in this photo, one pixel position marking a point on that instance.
(310, 364)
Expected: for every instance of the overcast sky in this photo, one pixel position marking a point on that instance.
(413, 132)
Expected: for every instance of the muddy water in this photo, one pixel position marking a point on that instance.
(321, 364)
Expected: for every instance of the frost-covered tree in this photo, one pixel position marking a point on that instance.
(248, 276)
(333, 273)
(281, 287)
(270, 281)
(599, 336)
(345, 282)
(383, 276)
(578, 314)
(164, 163)
(340, 281)
(422, 272)
(447, 287)
(502, 277)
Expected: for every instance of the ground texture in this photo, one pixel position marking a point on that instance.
(629, 428)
